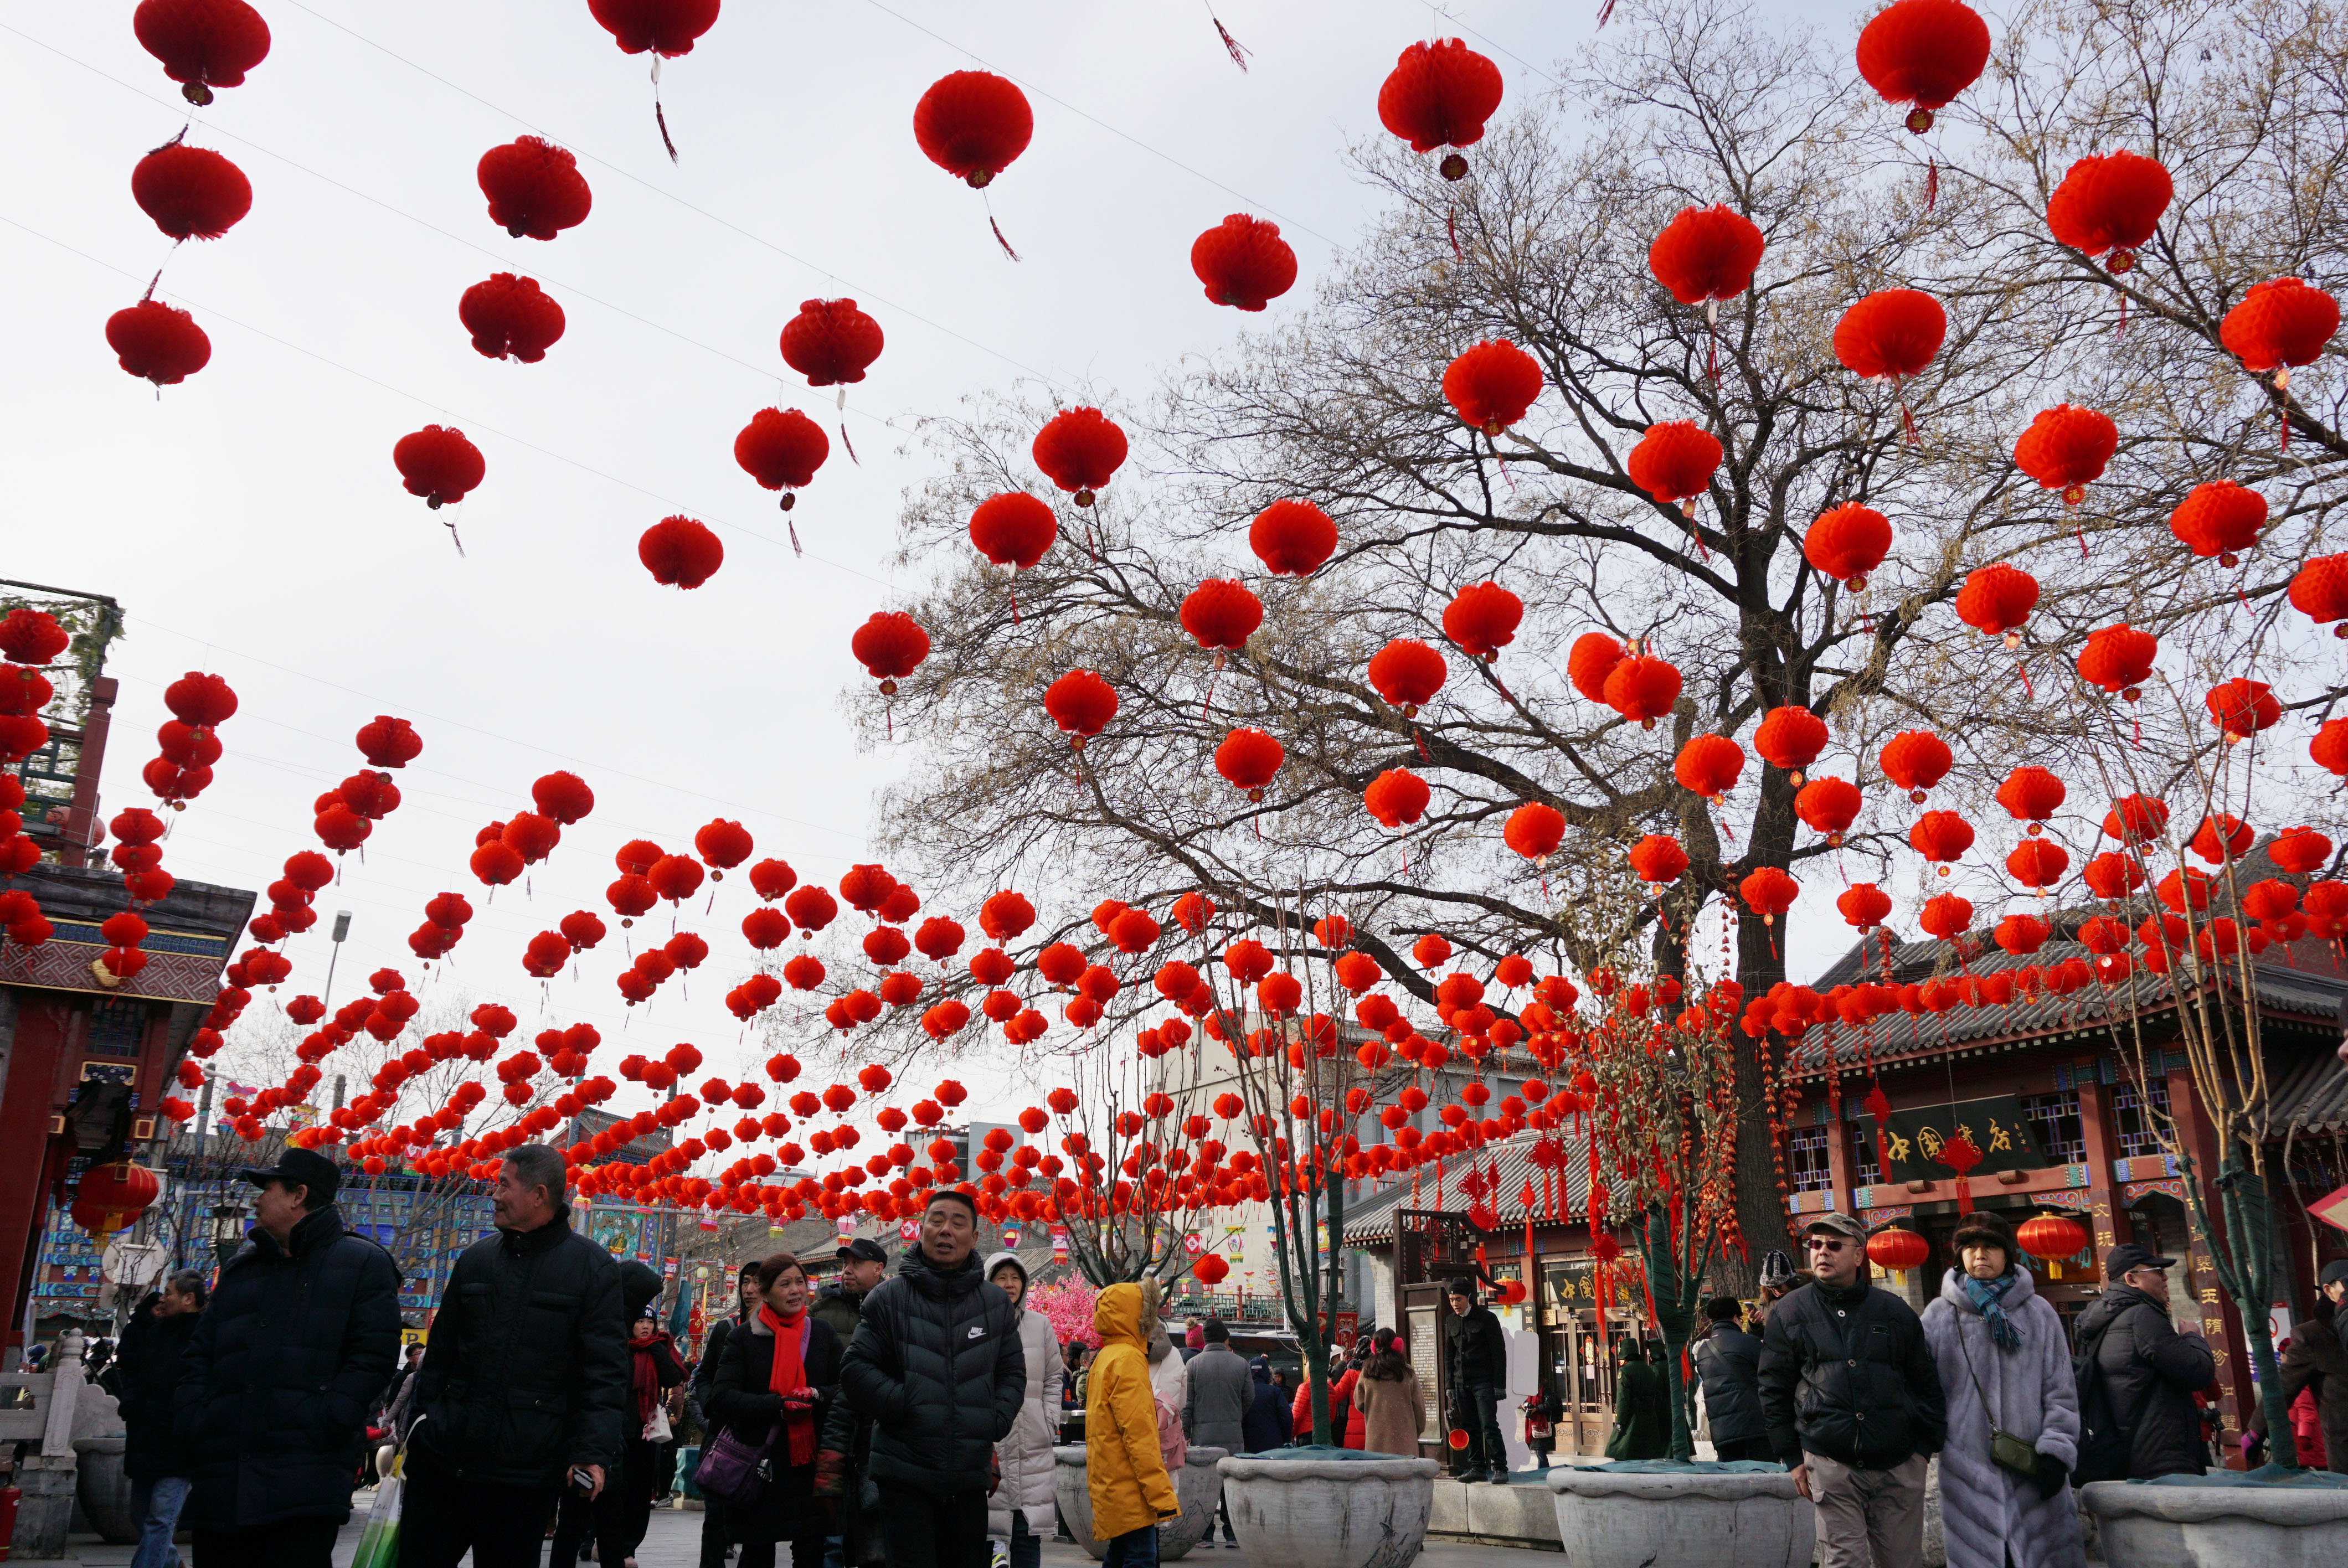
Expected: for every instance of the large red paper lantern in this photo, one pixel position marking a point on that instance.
(1440, 94)
(2066, 448)
(781, 448)
(109, 1197)
(1710, 766)
(2220, 519)
(831, 341)
(1247, 758)
(1013, 529)
(1923, 53)
(1482, 618)
(2048, 1238)
(1643, 688)
(1896, 1248)
(1892, 332)
(1996, 599)
(511, 317)
(972, 124)
(1673, 461)
(1768, 893)
(158, 343)
(1658, 858)
(2280, 324)
(1292, 538)
(2118, 659)
(1408, 674)
(203, 44)
(1534, 830)
(1222, 614)
(1396, 798)
(534, 187)
(1847, 543)
(1491, 385)
(1081, 704)
(889, 646)
(1243, 262)
(438, 464)
(665, 27)
(190, 192)
(2110, 203)
(680, 552)
(1706, 254)
(1916, 760)
(1079, 449)
(1790, 738)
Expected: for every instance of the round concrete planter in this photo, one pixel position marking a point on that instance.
(1686, 1516)
(1195, 1483)
(1328, 1507)
(2229, 1526)
(102, 1489)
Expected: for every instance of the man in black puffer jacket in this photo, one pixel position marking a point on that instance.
(1853, 1401)
(1728, 1360)
(523, 1383)
(936, 1364)
(275, 1382)
(148, 1367)
(2148, 1369)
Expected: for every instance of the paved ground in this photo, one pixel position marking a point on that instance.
(676, 1543)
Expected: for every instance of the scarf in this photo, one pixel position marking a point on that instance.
(1988, 1297)
(787, 1375)
(643, 1377)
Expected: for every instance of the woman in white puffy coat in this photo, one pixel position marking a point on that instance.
(1020, 1513)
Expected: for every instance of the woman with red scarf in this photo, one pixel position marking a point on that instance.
(773, 1385)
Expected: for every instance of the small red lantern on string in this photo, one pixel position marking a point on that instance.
(1440, 94)
(1674, 462)
(1916, 760)
(438, 464)
(1892, 334)
(781, 448)
(1897, 1248)
(1996, 599)
(190, 192)
(1709, 765)
(511, 317)
(1079, 449)
(203, 44)
(1847, 543)
(972, 124)
(1482, 618)
(2066, 448)
(157, 343)
(1923, 53)
(1248, 759)
(1222, 614)
(1790, 738)
(1408, 674)
(1243, 262)
(1643, 688)
(2108, 205)
(680, 552)
(2118, 659)
(1081, 704)
(664, 28)
(1705, 255)
(1292, 538)
(1395, 798)
(2280, 324)
(1658, 858)
(889, 646)
(1768, 893)
(1862, 903)
(1534, 830)
(2220, 519)
(534, 187)
(1491, 385)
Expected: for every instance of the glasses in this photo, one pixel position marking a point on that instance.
(1825, 1243)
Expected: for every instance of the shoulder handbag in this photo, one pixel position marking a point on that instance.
(733, 1471)
(2006, 1450)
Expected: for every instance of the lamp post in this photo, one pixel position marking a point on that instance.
(342, 929)
(228, 1230)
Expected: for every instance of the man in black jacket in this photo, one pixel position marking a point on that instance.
(298, 1339)
(936, 1364)
(1728, 1360)
(1852, 1397)
(862, 1263)
(1479, 1376)
(2148, 1369)
(523, 1381)
(147, 1369)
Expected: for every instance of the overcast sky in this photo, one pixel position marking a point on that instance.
(251, 522)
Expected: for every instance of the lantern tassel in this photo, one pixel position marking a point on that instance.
(844, 441)
(1415, 734)
(450, 523)
(1603, 13)
(1231, 45)
(999, 238)
(788, 522)
(1014, 599)
(1931, 182)
(660, 117)
(1451, 227)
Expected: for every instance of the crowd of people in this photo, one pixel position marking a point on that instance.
(907, 1420)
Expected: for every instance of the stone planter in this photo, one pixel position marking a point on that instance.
(1649, 1513)
(102, 1489)
(1329, 1508)
(1195, 1483)
(2197, 1521)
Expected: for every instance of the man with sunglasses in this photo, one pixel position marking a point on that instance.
(1853, 1401)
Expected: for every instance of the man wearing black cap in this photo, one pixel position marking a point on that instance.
(862, 1263)
(298, 1340)
(1479, 1376)
(2147, 1370)
(1853, 1401)
(937, 1365)
(524, 1381)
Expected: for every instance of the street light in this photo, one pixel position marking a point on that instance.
(342, 929)
(228, 1230)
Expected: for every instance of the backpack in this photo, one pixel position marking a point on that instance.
(2103, 1439)
(1172, 1447)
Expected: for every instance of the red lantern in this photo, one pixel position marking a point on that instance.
(158, 343)
(1247, 758)
(1440, 94)
(2051, 1239)
(203, 44)
(1705, 255)
(2299, 850)
(1534, 831)
(1947, 916)
(534, 187)
(1211, 1269)
(190, 192)
(2221, 838)
(1847, 543)
(2038, 864)
(1081, 704)
(1642, 690)
(1221, 613)
(438, 464)
(1243, 262)
(2220, 519)
(390, 742)
(1658, 858)
(1790, 738)
(2031, 794)
(972, 124)
(2319, 590)
(889, 646)
(1591, 660)
(2280, 324)
(832, 342)
(2136, 819)
(781, 448)
(1709, 765)
(2241, 709)
(32, 637)
(680, 552)
(665, 27)
(1079, 449)
(2118, 659)
(1013, 529)
(1916, 760)
(1923, 53)
(1491, 385)
(1673, 461)
(1482, 618)
(1897, 1248)
(1768, 893)
(1942, 837)
(2066, 449)
(563, 796)
(511, 317)
(1292, 538)
(1395, 798)
(1892, 332)
(1863, 904)
(2111, 203)
(1996, 599)
(1408, 674)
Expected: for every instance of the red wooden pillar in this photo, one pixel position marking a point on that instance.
(1840, 1164)
(2107, 1215)
(29, 1092)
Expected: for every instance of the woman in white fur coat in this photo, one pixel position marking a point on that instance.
(2004, 1365)
(1020, 1513)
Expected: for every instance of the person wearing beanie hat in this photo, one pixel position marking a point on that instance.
(1728, 1363)
(2014, 1409)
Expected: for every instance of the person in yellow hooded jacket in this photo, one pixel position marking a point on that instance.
(1124, 1471)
